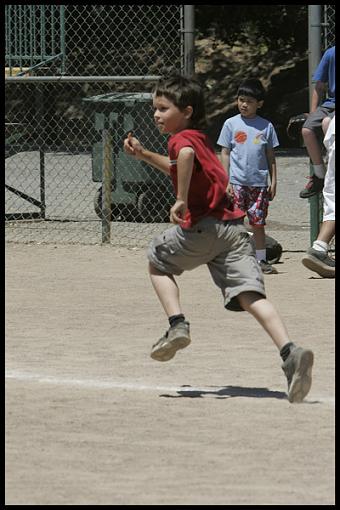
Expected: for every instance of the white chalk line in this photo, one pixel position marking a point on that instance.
(134, 386)
(86, 383)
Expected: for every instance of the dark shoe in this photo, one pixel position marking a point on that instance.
(319, 262)
(174, 339)
(313, 186)
(273, 250)
(267, 268)
(298, 370)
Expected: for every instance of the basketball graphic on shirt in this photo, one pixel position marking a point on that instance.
(240, 137)
(258, 138)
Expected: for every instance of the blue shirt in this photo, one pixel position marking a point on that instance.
(248, 140)
(325, 72)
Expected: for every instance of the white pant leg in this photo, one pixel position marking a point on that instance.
(329, 185)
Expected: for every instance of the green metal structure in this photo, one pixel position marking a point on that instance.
(130, 183)
(35, 37)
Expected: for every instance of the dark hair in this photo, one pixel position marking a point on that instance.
(253, 88)
(182, 92)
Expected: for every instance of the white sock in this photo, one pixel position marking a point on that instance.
(319, 171)
(261, 255)
(320, 246)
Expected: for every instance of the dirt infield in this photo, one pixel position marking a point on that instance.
(92, 419)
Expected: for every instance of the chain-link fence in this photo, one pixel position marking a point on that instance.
(78, 77)
(76, 73)
(328, 26)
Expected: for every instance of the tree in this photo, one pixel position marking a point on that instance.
(272, 25)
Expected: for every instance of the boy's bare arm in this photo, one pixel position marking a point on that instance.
(225, 160)
(272, 172)
(317, 95)
(134, 148)
(185, 163)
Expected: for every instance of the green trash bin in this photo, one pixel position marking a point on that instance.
(138, 191)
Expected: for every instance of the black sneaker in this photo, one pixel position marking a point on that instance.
(267, 268)
(298, 370)
(313, 186)
(319, 262)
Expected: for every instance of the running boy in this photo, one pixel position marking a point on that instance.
(208, 230)
(247, 155)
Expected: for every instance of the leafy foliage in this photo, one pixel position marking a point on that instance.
(273, 25)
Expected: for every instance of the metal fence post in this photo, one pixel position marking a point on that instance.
(42, 184)
(62, 39)
(314, 57)
(106, 185)
(189, 40)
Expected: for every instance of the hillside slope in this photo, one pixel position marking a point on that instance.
(283, 73)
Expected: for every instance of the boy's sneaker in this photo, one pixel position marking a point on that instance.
(177, 337)
(313, 186)
(319, 262)
(298, 370)
(267, 268)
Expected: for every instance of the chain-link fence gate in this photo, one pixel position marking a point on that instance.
(78, 78)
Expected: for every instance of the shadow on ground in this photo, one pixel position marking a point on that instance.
(227, 392)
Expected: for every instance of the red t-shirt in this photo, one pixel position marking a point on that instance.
(207, 191)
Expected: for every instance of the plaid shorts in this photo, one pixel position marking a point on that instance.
(254, 201)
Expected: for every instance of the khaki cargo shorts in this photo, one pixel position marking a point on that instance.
(223, 245)
(314, 119)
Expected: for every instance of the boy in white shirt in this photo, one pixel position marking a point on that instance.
(316, 258)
